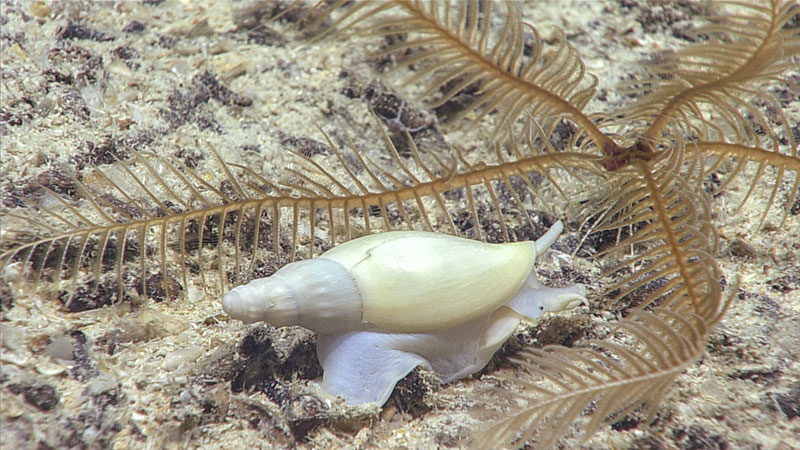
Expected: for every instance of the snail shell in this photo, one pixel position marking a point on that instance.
(403, 281)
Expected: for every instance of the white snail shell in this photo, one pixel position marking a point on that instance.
(385, 303)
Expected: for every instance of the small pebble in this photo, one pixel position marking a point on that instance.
(14, 358)
(10, 336)
(178, 357)
(60, 348)
(50, 368)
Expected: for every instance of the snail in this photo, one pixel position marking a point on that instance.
(385, 303)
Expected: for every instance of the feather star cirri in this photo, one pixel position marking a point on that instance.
(385, 303)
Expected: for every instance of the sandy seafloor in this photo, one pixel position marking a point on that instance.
(83, 78)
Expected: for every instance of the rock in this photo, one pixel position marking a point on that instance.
(42, 396)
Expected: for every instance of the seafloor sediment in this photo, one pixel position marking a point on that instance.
(86, 83)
